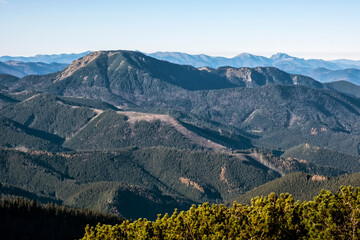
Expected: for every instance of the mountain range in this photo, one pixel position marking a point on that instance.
(21, 69)
(116, 130)
(321, 70)
(50, 58)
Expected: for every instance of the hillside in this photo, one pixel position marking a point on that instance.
(5, 100)
(324, 157)
(92, 124)
(285, 165)
(280, 120)
(15, 135)
(112, 130)
(160, 177)
(7, 80)
(344, 87)
(50, 114)
(301, 186)
(261, 76)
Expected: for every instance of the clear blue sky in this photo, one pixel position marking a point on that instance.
(326, 29)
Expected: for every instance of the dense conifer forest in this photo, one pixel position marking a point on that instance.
(27, 219)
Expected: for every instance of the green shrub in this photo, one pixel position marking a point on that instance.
(328, 216)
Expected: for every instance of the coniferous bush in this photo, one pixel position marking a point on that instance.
(328, 216)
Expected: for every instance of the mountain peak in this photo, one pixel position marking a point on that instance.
(279, 56)
(244, 54)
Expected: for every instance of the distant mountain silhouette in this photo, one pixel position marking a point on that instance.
(282, 61)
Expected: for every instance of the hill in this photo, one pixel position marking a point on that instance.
(300, 185)
(324, 157)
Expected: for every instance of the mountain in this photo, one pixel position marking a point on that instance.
(261, 76)
(336, 70)
(241, 60)
(119, 76)
(346, 63)
(278, 109)
(125, 74)
(324, 157)
(21, 69)
(326, 75)
(37, 65)
(324, 71)
(344, 87)
(193, 60)
(282, 61)
(53, 58)
(299, 65)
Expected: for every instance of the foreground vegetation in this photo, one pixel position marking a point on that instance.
(328, 216)
(301, 186)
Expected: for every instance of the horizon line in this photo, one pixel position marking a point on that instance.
(224, 55)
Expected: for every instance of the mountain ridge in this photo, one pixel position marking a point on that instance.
(65, 58)
(282, 61)
(132, 80)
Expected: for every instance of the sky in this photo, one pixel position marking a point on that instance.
(310, 29)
